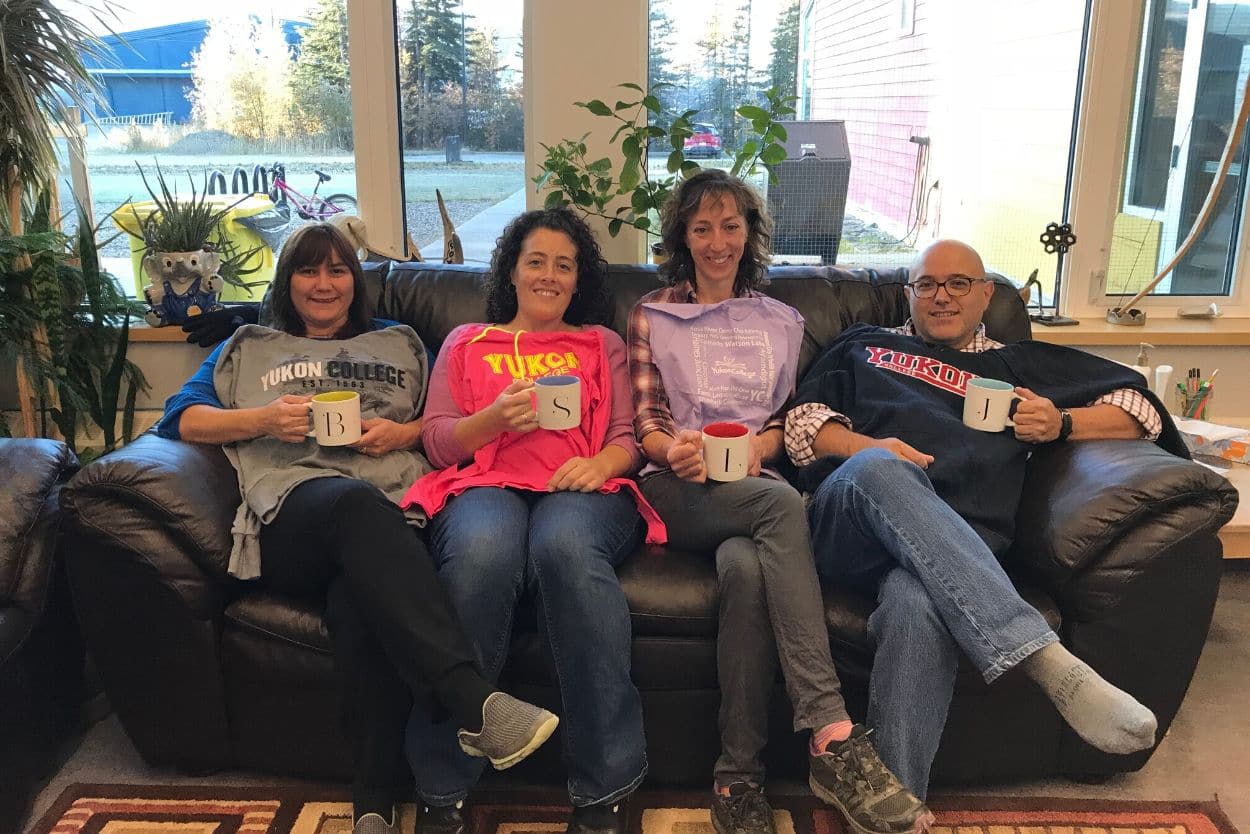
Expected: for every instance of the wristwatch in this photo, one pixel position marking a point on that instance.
(1065, 424)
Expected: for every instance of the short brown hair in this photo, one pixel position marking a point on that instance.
(685, 201)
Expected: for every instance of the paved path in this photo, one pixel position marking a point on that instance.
(479, 233)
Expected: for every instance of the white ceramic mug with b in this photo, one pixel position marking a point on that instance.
(335, 418)
(558, 400)
(726, 451)
(989, 404)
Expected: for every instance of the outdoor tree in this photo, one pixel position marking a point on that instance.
(431, 57)
(494, 117)
(783, 66)
(241, 78)
(660, 69)
(320, 80)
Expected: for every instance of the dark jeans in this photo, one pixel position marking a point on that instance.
(395, 634)
(493, 545)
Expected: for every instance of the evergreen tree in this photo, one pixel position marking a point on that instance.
(660, 69)
(783, 67)
(431, 58)
(323, 46)
(321, 81)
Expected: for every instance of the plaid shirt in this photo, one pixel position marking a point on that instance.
(804, 422)
(651, 409)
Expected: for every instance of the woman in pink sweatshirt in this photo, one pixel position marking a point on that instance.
(521, 510)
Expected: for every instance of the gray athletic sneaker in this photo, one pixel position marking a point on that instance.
(372, 824)
(851, 777)
(511, 730)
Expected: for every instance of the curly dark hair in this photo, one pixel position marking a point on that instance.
(682, 205)
(313, 245)
(590, 303)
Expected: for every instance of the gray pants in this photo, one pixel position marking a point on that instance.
(771, 612)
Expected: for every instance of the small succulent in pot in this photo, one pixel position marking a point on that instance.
(182, 261)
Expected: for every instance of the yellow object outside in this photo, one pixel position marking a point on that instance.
(130, 215)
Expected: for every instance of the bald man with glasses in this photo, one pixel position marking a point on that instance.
(910, 506)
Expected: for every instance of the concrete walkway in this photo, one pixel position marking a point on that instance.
(479, 233)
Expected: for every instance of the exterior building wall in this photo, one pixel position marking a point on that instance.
(991, 83)
(878, 78)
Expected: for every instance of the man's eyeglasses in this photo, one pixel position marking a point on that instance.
(955, 287)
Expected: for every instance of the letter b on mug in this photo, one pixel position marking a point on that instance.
(989, 404)
(559, 402)
(336, 418)
(726, 450)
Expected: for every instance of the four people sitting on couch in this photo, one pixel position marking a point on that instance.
(911, 503)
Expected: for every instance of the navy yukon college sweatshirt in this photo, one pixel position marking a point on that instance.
(891, 385)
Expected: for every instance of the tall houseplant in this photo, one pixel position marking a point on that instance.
(69, 321)
(622, 191)
(42, 47)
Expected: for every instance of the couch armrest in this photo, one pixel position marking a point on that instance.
(146, 540)
(1124, 537)
(171, 503)
(1080, 498)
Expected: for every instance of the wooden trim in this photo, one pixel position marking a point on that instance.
(140, 332)
(1159, 331)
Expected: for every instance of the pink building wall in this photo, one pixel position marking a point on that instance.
(879, 80)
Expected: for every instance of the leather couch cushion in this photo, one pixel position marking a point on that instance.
(268, 636)
(30, 470)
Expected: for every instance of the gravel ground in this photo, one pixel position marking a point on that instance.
(424, 223)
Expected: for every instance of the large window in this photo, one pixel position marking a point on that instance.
(1192, 70)
(251, 104)
(929, 120)
(460, 81)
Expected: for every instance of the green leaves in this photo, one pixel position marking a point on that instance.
(624, 191)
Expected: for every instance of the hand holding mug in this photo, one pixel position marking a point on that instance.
(685, 456)
(1037, 419)
(378, 435)
(286, 418)
(514, 408)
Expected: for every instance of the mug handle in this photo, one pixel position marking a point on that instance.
(1011, 409)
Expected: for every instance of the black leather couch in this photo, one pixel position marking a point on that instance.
(1117, 546)
(42, 684)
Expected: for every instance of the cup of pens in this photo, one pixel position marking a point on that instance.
(1195, 393)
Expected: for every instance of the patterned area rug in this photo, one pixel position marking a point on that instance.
(151, 809)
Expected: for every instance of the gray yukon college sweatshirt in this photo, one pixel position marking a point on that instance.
(386, 367)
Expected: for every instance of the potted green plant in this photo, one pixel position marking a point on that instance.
(68, 322)
(184, 252)
(622, 191)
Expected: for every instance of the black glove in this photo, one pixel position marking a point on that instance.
(207, 329)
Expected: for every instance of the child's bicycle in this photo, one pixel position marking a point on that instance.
(313, 206)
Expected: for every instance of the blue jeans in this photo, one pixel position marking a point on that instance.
(493, 545)
(878, 526)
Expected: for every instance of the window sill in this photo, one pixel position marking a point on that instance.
(1157, 331)
(142, 332)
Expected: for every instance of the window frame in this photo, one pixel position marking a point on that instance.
(1105, 115)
